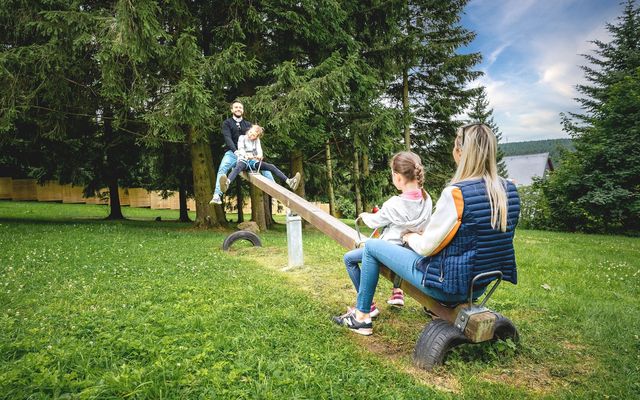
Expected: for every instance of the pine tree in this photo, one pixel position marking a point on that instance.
(49, 64)
(434, 76)
(481, 112)
(597, 188)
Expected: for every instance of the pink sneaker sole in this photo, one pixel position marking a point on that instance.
(396, 302)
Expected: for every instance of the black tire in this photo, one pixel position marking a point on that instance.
(505, 329)
(241, 235)
(435, 341)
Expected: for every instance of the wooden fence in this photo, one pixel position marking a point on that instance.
(30, 190)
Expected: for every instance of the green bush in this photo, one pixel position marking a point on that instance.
(534, 207)
(346, 206)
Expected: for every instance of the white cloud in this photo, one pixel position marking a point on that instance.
(493, 56)
(534, 80)
(514, 10)
(521, 109)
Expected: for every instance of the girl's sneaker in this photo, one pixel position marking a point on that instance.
(373, 313)
(349, 320)
(397, 298)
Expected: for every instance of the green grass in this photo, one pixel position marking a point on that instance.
(146, 309)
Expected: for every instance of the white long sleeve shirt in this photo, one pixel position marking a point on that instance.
(442, 226)
(398, 216)
(248, 148)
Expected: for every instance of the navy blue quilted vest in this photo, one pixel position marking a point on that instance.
(476, 247)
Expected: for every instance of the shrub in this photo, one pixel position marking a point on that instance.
(534, 207)
(346, 206)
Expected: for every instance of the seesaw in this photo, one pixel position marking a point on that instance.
(452, 325)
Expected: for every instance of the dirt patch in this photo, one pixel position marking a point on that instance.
(573, 346)
(545, 379)
(398, 356)
(535, 378)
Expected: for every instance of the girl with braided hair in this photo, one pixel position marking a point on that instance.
(470, 232)
(408, 212)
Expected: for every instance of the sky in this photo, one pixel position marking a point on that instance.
(531, 58)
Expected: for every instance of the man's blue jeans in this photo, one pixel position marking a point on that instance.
(403, 262)
(228, 162)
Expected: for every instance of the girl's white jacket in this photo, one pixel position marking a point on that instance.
(400, 215)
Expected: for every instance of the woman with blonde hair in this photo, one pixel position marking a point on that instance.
(470, 232)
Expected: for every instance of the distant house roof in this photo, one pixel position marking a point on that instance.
(522, 169)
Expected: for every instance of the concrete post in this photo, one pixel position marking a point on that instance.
(294, 240)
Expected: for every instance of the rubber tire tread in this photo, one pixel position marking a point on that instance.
(241, 235)
(505, 329)
(435, 341)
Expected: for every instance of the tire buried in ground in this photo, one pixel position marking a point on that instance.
(435, 341)
(505, 329)
(241, 235)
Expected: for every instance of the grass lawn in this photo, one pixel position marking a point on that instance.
(146, 309)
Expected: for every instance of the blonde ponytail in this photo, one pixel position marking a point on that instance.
(478, 161)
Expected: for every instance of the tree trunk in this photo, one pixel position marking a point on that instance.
(257, 208)
(405, 109)
(220, 215)
(184, 212)
(240, 200)
(366, 198)
(115, 210)
(298, 166)
(332, 198)
(260, 209)
(205, 217)
(268, 213)
(356, 182)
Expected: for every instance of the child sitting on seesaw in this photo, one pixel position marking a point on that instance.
(408, 212)
(250, 157)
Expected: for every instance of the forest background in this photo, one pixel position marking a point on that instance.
(133, 94)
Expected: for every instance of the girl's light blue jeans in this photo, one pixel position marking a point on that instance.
(403, 262)
(352, 261)
(228, 162)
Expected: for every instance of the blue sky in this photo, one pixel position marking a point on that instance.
(531, 57)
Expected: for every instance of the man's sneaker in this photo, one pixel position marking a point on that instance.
(397, 298)
(216, 199)
(373, 313)
(294, 182)
(224, 183)
(349, 320)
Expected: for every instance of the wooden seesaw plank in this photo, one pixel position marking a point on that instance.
(326, 223)
(342, 233)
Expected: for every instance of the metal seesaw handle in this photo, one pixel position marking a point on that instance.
(493, 288)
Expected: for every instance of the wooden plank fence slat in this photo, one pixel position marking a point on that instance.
(158, 203)
(123, 193)
(49, 191)
(139, 197)
(24, 190)
(101, 198)
(72, 194)
(6, 188)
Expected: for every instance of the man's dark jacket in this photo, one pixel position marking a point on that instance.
(231, 130)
